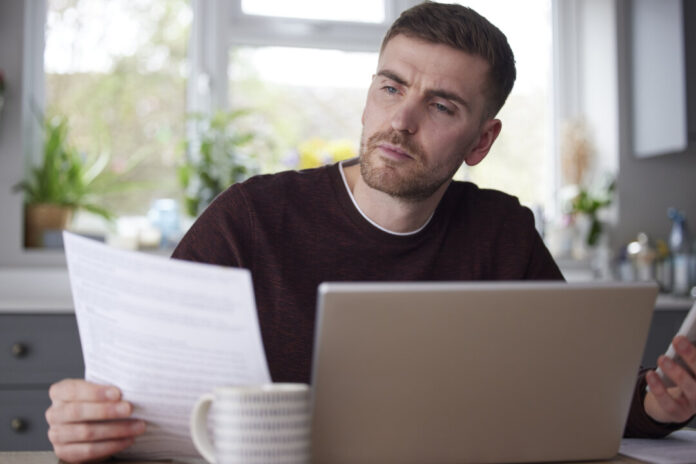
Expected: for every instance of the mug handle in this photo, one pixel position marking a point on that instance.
(199, 427)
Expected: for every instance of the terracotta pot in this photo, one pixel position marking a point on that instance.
(40, 218)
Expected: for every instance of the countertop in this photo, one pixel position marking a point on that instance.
(39, 290)
(47, 290)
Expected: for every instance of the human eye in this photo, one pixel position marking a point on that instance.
(442, 108)
(390, 89)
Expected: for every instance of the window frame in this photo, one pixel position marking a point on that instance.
(221, 24)
(255, 30)
(586, 82)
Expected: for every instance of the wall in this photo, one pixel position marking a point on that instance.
(11, 48)
(648, 186)
(14, 43)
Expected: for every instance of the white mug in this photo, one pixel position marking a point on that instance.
(254, 424)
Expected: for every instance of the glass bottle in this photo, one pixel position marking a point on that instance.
(680, 247)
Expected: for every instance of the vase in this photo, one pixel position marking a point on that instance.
(41, 219)
(581, 250)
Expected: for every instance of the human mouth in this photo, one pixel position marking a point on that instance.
(394, 151)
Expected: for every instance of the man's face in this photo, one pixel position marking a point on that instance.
(424, 116)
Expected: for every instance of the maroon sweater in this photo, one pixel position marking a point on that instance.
(294, 230)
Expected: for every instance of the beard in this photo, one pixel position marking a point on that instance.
(410, 180)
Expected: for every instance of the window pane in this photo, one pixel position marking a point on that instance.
(366, 11)
(117, 70)
(520, 161)
(309, 97)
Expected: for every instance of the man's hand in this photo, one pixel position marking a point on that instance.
(678, 403)
(89, 422)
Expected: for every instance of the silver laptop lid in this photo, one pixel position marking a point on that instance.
(475, 372)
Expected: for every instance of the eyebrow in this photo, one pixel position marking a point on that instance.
(441, 93)
(393, 76)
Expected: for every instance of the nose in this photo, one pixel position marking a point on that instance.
(406, 116)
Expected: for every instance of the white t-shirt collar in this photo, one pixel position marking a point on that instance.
(355, 203)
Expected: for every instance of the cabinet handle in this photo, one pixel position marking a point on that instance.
(19, 350)
(19, 425)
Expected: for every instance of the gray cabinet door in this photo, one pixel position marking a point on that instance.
(39, 349)
(35, 351)
(22, 422)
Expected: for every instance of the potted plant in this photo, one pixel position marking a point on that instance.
(218, 156)
(589, 203)
(61, 182)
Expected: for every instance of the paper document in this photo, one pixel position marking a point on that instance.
(164, 331)
(677, 448)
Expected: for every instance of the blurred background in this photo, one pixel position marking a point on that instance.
(152, 107)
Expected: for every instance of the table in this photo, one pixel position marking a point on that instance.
(682, 443)
(47, 457)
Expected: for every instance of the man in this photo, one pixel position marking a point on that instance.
(395, 214)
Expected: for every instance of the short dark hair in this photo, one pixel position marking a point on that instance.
(462, 28)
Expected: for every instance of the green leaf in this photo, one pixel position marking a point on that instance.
(65, 176)
(214, 158)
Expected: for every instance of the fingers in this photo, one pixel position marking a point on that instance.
(658, 403)
(91, 451)
(60, 413)
(683, 378)
(687, 351)
(81, 390)
(88, 422)
(97, 431)
(676, 404)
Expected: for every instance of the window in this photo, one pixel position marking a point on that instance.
(117, 70)
(170, 58)
(521, 162)
(292, 90)
(305, 68)
(310, 98)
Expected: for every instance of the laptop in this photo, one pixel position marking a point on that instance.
(475, 372)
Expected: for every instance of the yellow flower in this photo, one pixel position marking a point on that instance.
(309, 153)
(340, 150)
(317, 152)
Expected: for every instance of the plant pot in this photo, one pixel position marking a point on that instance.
(40, 218)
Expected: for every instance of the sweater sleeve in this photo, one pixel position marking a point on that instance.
(639, 424)
(541, 265)
(523, 244)
(222, 235)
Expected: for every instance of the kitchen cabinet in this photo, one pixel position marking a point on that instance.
(659, 90)
(35, 351)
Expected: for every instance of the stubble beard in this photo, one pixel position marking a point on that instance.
(412, 180)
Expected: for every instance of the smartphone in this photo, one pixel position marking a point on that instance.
(688, 329)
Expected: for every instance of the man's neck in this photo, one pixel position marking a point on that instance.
(391, 213)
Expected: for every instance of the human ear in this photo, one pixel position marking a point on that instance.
(489, 132)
